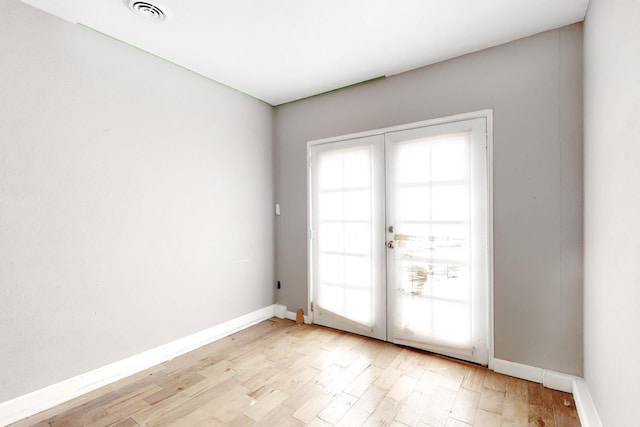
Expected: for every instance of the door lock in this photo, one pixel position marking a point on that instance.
(390, 244)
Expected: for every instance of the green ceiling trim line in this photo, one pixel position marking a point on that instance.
(335, 90)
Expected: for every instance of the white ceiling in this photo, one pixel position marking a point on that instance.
(282, 50)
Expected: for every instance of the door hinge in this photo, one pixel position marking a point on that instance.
(311, 305)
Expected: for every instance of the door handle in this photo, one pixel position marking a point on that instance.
(390, 244)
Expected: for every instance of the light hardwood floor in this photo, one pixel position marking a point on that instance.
(277, 373)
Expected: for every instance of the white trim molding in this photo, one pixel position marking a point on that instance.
(548, 378)
(517, 370)
(557, 381)
(48, 397)
(280, 311)
(485, 113)
(584, 404)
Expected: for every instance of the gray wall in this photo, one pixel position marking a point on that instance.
(136, 201)
(534, 86)
(612, 209)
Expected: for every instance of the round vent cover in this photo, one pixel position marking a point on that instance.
(148, 10)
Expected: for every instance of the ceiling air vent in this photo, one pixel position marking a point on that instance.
(150, 11)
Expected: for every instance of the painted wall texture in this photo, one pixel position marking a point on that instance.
(534, 87)
(136, 201)
(612, 209)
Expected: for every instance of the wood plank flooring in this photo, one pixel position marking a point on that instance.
(277, 373)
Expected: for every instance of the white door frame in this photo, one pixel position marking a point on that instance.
(487, 114)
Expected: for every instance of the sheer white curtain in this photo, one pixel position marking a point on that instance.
(343, 231)
(431, 194)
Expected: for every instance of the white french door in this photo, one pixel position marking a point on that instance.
(347, 241)
(437, 239)
(399, 237)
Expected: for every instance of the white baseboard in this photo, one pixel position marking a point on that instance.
(584, 404)
(48, 397)
(280, 311)
(517, 370)
(548, 378)
(557, 381)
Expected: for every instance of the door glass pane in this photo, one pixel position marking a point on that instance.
(344, 206)
(413, 202)
(430, 203)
